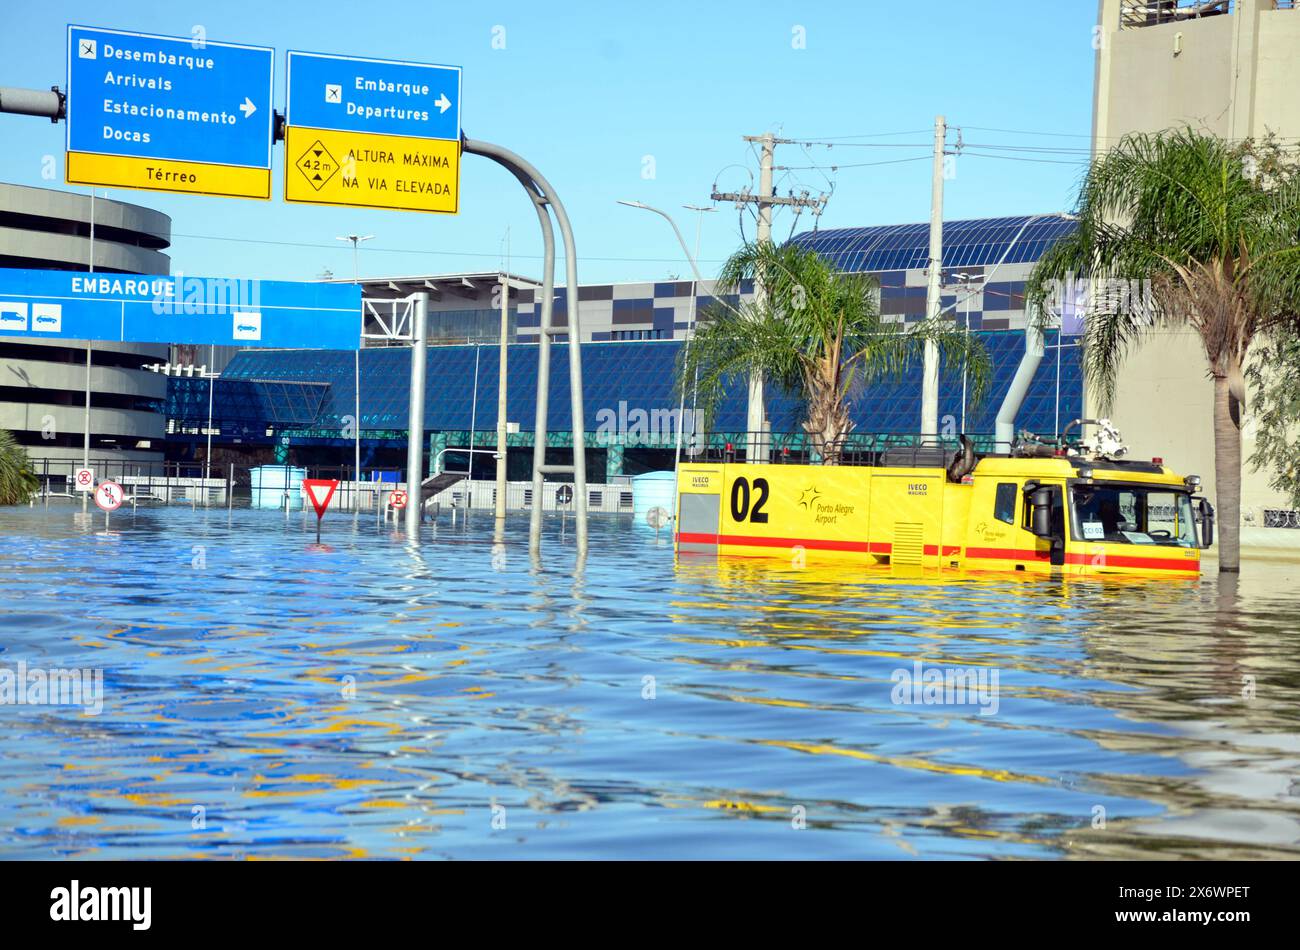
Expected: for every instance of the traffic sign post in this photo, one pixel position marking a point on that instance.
(319, 491)
(84, 479)
(108, 496)
(372, 133)
(139, 308)
(169, 113)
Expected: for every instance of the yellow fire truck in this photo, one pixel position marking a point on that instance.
(1076, 508)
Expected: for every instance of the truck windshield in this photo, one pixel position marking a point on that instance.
(1133, 514)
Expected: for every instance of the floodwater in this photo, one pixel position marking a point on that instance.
(265, 697)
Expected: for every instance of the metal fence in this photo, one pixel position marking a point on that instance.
(854, 448)
(1139, 13)
(183, 483)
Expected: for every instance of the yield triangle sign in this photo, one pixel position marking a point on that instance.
(319, 492)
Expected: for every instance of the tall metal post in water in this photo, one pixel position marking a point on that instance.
(415, 435)
(502, 362)
(543, 194)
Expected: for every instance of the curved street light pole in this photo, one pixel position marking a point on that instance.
(690, 331)
(543, 194)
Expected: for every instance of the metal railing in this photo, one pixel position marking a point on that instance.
(481, 495)
(855, 448)
(163, 483)
(1139, 13)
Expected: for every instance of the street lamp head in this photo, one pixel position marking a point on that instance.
(634, 204)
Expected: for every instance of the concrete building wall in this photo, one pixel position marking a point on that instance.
(1277, 88)
(1236, 75)
(44, 228)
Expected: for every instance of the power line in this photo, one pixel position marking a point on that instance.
(1069, 135)
(1037, 161)
(429, 251)
(892, 161)
(866, 135)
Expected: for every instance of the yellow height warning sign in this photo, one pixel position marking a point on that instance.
(364, 170)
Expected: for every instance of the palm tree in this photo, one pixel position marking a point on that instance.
(17, 480)
(813, 333)
(1212, 229)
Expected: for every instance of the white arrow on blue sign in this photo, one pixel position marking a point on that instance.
(143, 308)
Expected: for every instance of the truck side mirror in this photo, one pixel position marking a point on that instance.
(1207, 521)
(1040, 520)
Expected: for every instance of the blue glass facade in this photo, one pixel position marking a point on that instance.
(971, 243)
(314, 389)
(636, 333)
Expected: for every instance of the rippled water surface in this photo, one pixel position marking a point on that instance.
(267, 697)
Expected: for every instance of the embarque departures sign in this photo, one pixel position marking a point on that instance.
(169, 113)
(372, 133)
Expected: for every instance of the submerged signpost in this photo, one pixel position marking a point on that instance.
(108, 496)
(319, 491)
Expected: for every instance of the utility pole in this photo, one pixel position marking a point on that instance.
(933, 302)
(756, 442)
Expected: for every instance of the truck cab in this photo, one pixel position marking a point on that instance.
(1085, 517)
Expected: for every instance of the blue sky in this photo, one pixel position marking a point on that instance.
(586, 91)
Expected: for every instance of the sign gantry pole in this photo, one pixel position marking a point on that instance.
(537, 185)
(415, 422)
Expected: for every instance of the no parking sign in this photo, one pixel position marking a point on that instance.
(108, 496)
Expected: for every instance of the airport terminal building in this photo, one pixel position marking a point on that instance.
(279, 405)
(43, 384)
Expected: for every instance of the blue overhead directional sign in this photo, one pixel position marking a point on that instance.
(380, 96)
(141, 308)
(372, 133)
(169, 113)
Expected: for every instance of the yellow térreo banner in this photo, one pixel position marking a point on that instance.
(163, 174)
(329, 167)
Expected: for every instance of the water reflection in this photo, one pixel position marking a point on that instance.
(266, 696)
